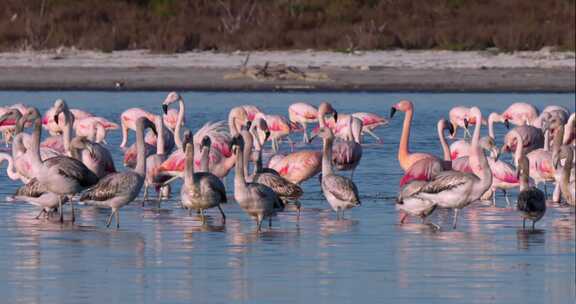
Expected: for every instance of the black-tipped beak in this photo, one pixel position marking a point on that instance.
(507, 124)
(165, 109)
(451, 129)
(267, 133)
(56, 118)
(248, 124)
(335, 116)
(466, 123)
(392, 112)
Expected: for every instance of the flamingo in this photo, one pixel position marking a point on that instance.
(429, 163)
(154, 177)
(95, 156)
(257, 200)
(531, 200)
(119, 189)
(201, 190)
(519, 114)
(532, 139)
(129, 117)
(298, 166)
(303, 114)
(286, 191)
(457, 190)
(279, 127)
(55, 127)
(371, 121)
(36, 194)
(340, 192)
(458, 117)
(61, 175)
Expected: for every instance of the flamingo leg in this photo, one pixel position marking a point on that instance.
(109, 220)
(533, 223)
(369, 132)
(117, 219)
(304, 137)
(60, 209)
(467, 133)
(269, 222)
(455, 218)
(259, 223)
(222, 212)
(73, 211)
(145, 197)
(159, 197)
(39, 214)
(494, 198)
(523, 223)
(403, 218)
(508, 204)
(202, 216)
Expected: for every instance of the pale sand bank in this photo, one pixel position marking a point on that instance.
(375, 70)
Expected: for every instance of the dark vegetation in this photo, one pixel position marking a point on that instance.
(342, 25)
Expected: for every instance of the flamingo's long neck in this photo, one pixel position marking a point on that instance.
(205, 159)
(258, 147)
(478, 161)
(547, 139)
(565, 182)
(179, 122)
(569, 128)
(10, 171)
(239, 177)
(493, 117)
(519, 147)
(160, 139)
(248, 142)
(327, 157)
(445, 147)
(67, 130)
(34, 150)
(18, 146)
(189, 166)
(357, 126)
(140, 150)
(403, 149)
(524, 177)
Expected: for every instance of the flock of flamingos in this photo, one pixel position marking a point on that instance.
(74, 163)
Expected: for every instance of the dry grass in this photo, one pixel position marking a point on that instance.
(182, 25)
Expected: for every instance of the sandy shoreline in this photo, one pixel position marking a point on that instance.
(366, 71)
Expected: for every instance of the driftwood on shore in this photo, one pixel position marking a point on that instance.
(270, 72)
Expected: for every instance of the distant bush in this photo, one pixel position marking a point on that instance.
(343, 25)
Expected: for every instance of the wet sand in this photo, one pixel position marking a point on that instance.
(541, 71)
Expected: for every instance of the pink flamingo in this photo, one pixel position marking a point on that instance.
(303, 114)
(153, 176)
(519, 114)
(459, 118)
(279, 127)
(251, 111)
(371, 121)
(346, 154)
(129, 117)
(425, 168)
(459, 148)
(299, 166)
(55, 128)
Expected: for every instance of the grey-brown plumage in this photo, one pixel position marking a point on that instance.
(36, 194)
(73, 170)
(532, 205)
(342, 188)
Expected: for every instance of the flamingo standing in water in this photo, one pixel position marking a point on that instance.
(347, 152)
(531, 200)
(279, 127)
(61, 175)
(129, 117)
(452, 189)
(532, 139)
(116, 190)
(340, 192)
(371, 121)
(154, 178)
(303, 114)
(259, 201)
(428, 164)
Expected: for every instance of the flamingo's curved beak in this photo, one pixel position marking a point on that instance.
(466, 123)
(90, 149)
(506, 123)
(56, 118)
(165, 109)
(335, 116)
(392, 111)
(451, 129)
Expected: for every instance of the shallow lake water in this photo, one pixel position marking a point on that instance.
(166, 256)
